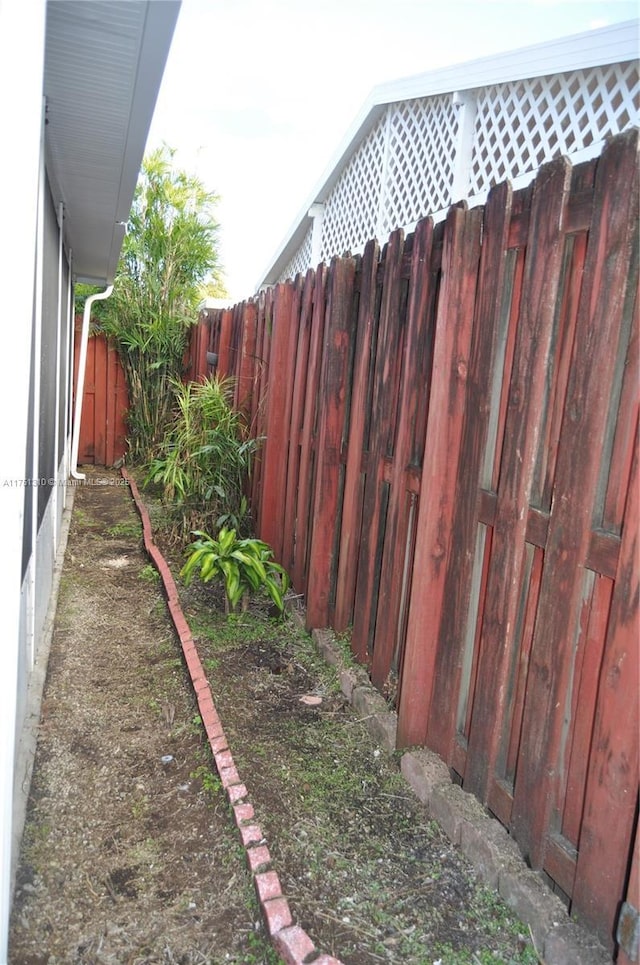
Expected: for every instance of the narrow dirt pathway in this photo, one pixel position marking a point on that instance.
(127, 856)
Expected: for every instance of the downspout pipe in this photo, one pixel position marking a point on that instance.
(82, 364)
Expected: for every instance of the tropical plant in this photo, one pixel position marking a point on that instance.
(205, 457)
(244, 565)
(169, 252)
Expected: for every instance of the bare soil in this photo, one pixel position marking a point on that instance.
(130, 853)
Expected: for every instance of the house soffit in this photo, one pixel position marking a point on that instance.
(104, 62)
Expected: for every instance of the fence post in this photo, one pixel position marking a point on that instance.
(467, 106)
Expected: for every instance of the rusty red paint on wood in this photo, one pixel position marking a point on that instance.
(323, 549)
(482, 358)
(288, 374)
(583, 708)
(519, 453)
(452, 344)
(224, 344)
(350, 535)
(276, 446)
(103, 432)
(297, 420)
(633, 900)
(415, 380)
(612, 785)
(598, 334)
(263, 339)
(384, 395)
(305, 498)
(245, 385)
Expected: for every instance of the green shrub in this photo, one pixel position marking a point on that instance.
(205, 457)
(244, 565)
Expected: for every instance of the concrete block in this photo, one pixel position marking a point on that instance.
(533, 902)
(383, 728)
(367, 701)
(488, 847)
(424, 771)
(568, 943)
(447, 807)
(323, 640)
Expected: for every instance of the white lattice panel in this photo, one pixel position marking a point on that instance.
(351, 209)
(521, 125)
(301, 261)
(421, 160)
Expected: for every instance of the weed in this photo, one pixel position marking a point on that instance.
(126, 528)
(210, 783)
(82, 519)
(149, 574)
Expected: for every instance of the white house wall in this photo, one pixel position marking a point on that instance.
(44, 489)
(22, 32)
(33, 497)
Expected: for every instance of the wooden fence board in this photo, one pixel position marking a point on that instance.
(351, 530)
(458, 616)
(612, 790)
(301, 358)
(460, 260)
(276, 446)
(416, 374)
(382, 424)
(323, 550)
(306, 492)
(522, 432)
(224, 344)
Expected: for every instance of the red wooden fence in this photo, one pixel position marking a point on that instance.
(450, 467)
(103, 432)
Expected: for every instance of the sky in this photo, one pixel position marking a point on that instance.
(258, 96)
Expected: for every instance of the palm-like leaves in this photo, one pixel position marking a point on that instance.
(244, 565)
(169, 251)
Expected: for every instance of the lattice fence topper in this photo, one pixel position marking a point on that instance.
(521, 125)
(407, 165)
(421, 160)
(351, 210)
(301, 261)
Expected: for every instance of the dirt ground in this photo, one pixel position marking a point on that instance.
(130, 853)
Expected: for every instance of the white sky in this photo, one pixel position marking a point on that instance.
(258, 94)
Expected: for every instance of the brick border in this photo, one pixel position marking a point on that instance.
(558, 939)
(290, 941)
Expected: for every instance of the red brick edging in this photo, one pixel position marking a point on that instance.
(290, 941)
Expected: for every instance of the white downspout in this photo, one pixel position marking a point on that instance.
(82, 364)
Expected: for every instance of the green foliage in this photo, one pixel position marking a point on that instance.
(169, 252)
(149, 573)
(205, 457)
(244, 565)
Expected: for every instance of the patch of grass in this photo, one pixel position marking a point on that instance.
(149, 573)
(211, 784)
(82, 519)
(126, 528)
